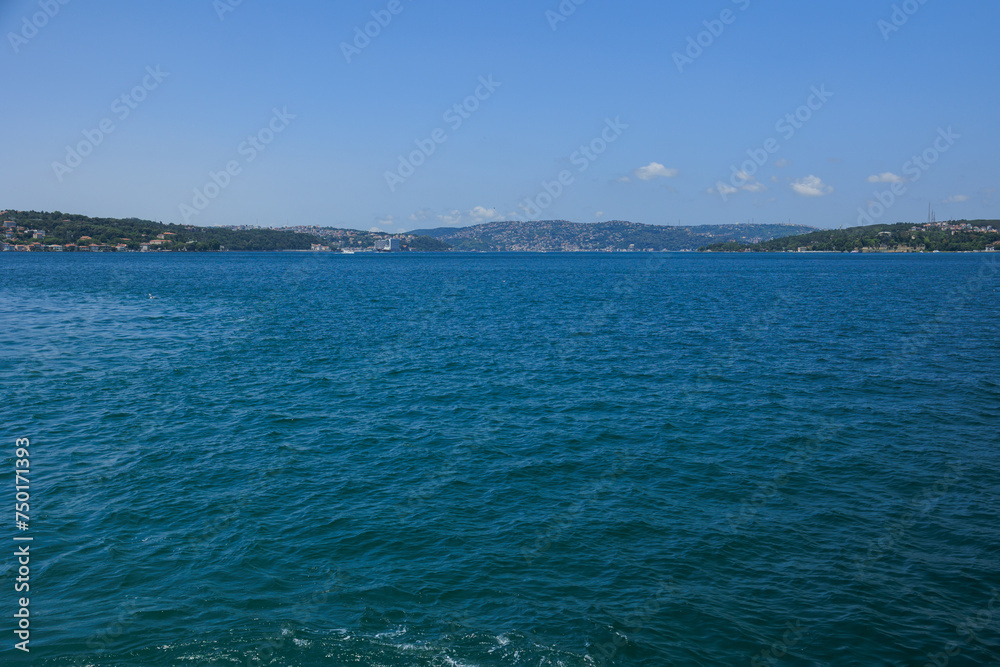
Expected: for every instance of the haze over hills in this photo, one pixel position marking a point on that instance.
(564, 236)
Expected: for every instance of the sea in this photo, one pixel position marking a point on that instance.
(462, 459)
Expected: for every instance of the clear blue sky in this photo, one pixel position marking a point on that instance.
(687, 124)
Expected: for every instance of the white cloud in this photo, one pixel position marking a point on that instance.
(956, 199)
(781, 163)
(458, 218)
(654, 170)
(750, 183)
(811, 186)
(483, 214)
(599, 214)
(886, 177)
(374, 229)
(623, 179)
(722, 189)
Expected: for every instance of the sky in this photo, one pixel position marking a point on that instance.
(406, 114)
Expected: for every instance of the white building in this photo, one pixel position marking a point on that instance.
(387, 245)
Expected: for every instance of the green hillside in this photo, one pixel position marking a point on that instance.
(955, 236)
(61, 229)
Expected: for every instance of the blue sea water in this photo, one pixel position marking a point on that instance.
(503, 459)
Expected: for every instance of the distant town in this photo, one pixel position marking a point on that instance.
(354, 240)
(13, 231)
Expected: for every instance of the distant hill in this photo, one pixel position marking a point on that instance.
(560, 235)
(62, 229)
(954, 236)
